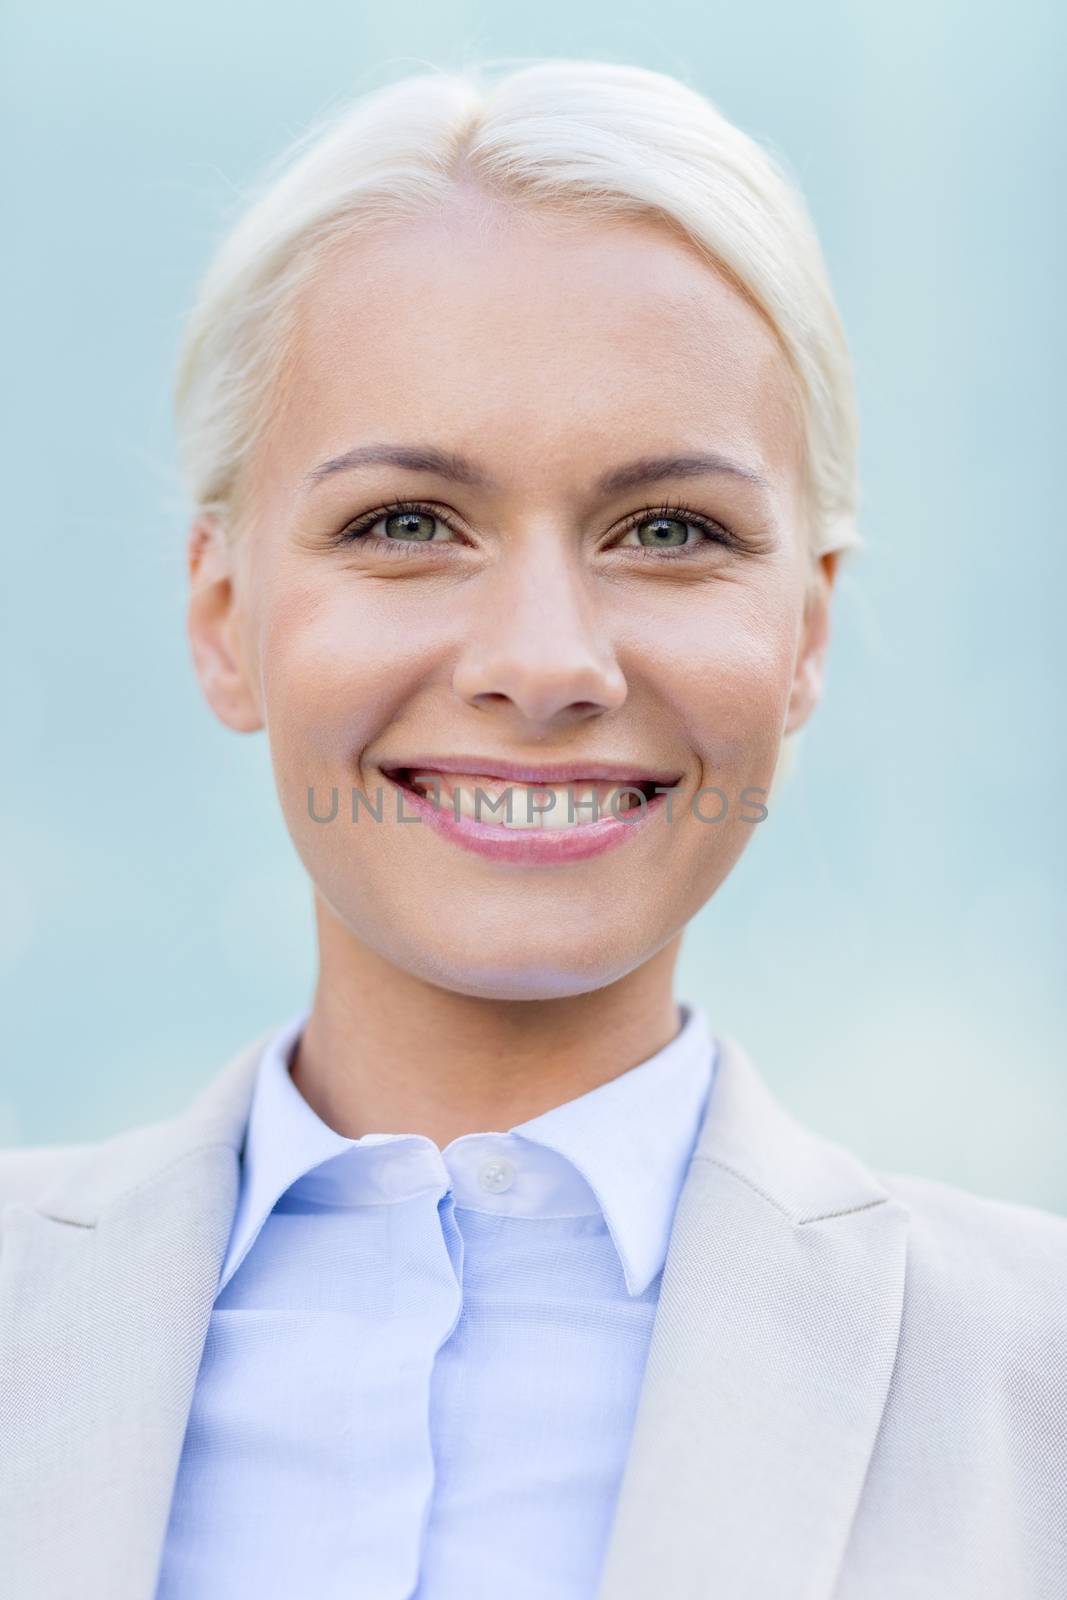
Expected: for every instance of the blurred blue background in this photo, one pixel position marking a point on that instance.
(890, 947)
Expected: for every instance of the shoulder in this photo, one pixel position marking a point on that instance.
(26, 1174)
(986, 1278)
(975, 1233)
(81, 1179)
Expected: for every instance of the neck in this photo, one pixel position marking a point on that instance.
(386, 1052)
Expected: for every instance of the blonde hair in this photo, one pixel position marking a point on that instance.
(589, 137)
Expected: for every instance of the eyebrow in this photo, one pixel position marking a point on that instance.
(460, 469)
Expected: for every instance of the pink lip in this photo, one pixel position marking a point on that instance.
(533, 846)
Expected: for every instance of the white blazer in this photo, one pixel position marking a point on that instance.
(856, 1387)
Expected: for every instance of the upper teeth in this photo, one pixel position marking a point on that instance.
(524, 805)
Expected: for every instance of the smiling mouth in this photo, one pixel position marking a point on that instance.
(511, 804)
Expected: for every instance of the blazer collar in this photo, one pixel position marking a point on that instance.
(216, 1116)
(745, 1129)
(772, 1349)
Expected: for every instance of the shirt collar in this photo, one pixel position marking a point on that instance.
(630, 1139)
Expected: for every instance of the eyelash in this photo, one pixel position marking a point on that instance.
(714, 532)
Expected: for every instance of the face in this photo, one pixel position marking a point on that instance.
(585, 562)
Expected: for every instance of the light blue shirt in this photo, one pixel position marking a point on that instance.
(422, 1366)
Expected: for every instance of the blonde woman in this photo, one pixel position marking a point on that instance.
(518, 425)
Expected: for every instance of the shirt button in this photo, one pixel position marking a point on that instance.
(496, 1175)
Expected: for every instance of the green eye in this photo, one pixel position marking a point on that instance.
(412, 526)
(668, 531)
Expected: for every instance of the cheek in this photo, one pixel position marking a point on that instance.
(338, 664)
(725, 661)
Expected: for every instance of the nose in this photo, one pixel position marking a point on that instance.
(536, 644)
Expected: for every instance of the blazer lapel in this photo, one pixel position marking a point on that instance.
(106, 1290)
(769, 1366)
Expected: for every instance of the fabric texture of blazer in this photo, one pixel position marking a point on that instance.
(856, 1387)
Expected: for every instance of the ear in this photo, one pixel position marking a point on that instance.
(213, 628)
(808, 675)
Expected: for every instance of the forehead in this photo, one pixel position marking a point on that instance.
(539, 339)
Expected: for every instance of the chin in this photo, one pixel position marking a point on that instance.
(525, 971)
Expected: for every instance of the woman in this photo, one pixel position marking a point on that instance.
(518, 422)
